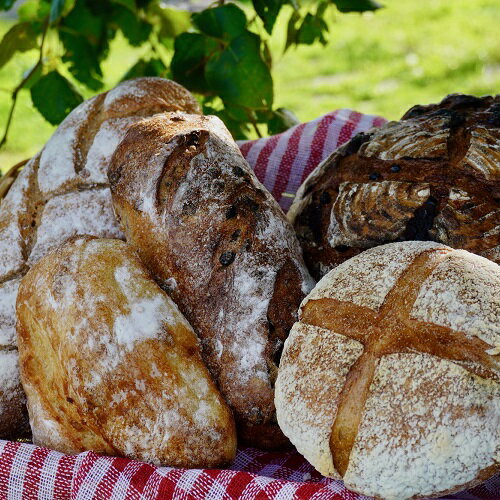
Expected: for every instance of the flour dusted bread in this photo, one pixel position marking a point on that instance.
(63, 191)
(390, 379)
(219, 243)
(110, 364)
(434, 175)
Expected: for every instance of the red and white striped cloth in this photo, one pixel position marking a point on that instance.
(29, 472)
(283, 161)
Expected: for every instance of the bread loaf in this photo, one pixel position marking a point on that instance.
(109, 363)
(63, 191)
(390, 379)
(219, 243)
(435, 175)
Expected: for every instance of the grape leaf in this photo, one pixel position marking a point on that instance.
(356, 5)
(56, 8)
(33, 11)
(20, 38)
(268, 11)
(292, 30)
(129, 4)
(153, 67)
(6, 4)
(239, 75)
(54, 97)
(282, 119)
(225, 22)
(82, 59)
(192, 51)
(172, 22)
(311, 30)
(135, 30)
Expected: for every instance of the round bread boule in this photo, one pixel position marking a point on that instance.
(432, 176)
(62, 192)
(390, 379)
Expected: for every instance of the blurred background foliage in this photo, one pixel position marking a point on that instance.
(378, 62)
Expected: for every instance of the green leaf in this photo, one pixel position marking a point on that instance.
(6, 4)
(225, 22)
(33, 11)
(171, 22)
(128, 4)
(239, 129)
(356, 5)
(135, 30)
(56, 8)
(311, 30)
(191, 53)
(239, 75)
(268, 11)
(282, 119)
(35, 73)
(292, 30)
(82, 59)
(54, 97)
(20, 38)
(153, 67)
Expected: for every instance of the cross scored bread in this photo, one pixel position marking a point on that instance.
(390, 379)
(63, 191)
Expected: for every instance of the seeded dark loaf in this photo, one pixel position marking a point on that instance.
(218, 242)
(434, 175)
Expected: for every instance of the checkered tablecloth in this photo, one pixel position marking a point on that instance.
(29, 472)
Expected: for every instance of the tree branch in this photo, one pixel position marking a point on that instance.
(22, 83)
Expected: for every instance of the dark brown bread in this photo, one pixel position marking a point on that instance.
(218, 242)
(435, 175)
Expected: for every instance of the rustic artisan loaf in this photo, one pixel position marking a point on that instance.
(63, 191)
(110, 364)
(435, 175)
(219, 243)
(390, 380)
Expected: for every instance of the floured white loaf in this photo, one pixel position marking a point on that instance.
(110, 364)
(63, 191)
(390, 379)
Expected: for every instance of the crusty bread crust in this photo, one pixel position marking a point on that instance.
(109, 363)
(218, 242)
(434, 175)
(63, 191)
(390, 380)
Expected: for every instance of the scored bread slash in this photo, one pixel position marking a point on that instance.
(193, 208)
(388, 381)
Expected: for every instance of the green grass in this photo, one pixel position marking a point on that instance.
(410, 52)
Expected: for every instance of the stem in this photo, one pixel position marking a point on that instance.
(22, 83)
(255, 127)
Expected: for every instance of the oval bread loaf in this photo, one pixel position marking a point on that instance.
(390, 379)
(110, 364)
(63, 191)
(219, 243)
(434, 175)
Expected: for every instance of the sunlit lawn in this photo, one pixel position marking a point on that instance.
(410, 52)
